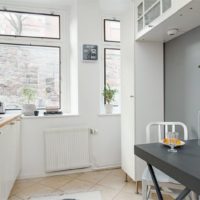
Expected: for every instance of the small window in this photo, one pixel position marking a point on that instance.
(112, 71)
(111, 30)
(33, 67)
(22, 24)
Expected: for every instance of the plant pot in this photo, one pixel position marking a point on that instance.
(108, 108)
(28, 109)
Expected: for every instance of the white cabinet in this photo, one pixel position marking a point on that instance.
(16, 129)
(3, 164)
(9, 157)
(149, 10)
(153, 18)
(127, 95)
(142, 93)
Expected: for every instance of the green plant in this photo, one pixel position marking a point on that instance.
(109, 94)
(29, 94)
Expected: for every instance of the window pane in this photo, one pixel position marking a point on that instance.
(30, 25)
(140, 10)
(112, 71)
(152, 14)
(112, 31)
(166, 5)
(148, 4)
(32, 67)
(140, 24)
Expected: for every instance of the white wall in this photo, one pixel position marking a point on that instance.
(106, 143)
(182, 81)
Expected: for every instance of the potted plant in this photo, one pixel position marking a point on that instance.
(109, 96)
(29, 107)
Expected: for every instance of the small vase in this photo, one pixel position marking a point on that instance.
(108, 108)
(28, 109)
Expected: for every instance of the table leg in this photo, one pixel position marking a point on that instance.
(160, 197)
(183, 194)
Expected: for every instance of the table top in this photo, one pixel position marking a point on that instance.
(183, 166)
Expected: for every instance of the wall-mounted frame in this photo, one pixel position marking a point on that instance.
(90, 52)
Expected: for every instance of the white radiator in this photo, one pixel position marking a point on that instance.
(66, 148)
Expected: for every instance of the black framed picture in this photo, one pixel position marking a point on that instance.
(90, 52)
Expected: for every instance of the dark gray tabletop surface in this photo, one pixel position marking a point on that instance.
(183, 166)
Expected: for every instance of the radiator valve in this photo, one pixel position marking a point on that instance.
(93, 131)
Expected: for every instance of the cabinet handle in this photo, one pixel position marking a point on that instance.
(131, 96)
(0, 132)
(12, 123)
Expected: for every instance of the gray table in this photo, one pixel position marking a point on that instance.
(183, 166)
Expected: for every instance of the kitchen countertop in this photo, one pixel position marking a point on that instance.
(7, 118)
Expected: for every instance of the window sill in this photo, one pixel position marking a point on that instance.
(41, 116)
(106, 115)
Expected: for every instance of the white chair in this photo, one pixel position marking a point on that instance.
(167, 184)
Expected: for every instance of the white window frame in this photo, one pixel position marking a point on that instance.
(63, 43)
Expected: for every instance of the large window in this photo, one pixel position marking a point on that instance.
(29, 24)
(33, 67)
(30, 65)
(112, 57)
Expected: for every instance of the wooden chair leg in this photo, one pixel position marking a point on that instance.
(137, 184)
(126, 178)
(137, 187)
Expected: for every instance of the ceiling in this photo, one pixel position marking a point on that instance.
(36, 3)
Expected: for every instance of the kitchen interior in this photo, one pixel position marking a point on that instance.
(159, 43)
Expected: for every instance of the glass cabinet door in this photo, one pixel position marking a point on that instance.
(148, 4)
(166, 4)
(140, 14)
(152, 14)
(149, 10)
(140, 10)
(140, 24)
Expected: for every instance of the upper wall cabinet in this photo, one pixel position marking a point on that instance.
(150, 14)
(149, 10)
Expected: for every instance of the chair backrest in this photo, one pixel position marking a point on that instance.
(163, 128)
